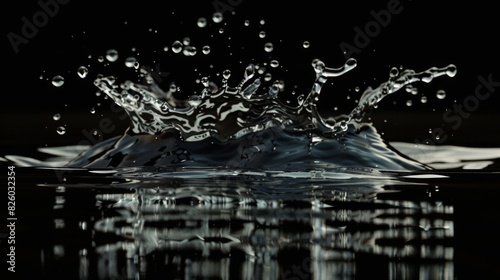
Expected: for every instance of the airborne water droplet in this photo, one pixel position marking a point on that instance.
(306, 44)
(394, 72)
(441, 94)
(58, 81)
(92, 110)
(274, 63)
(409, 103)
(82, 72)
(202, 22)
(189, 51)
(268, 47)
(226, 74)
(423, 99)
(262, 34)
(112, 55)
(130, 62)
(177, 46)
(61, 130)
(56, 117)
(205, 82)
(206, 49)
(217, 17)
(247, 22)
(268, 77)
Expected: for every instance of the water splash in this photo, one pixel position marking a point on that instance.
(228, 112)
(245, 126)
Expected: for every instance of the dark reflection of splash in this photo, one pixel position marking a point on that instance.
(248, 226)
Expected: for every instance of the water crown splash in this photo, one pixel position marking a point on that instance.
(245, 126)
(231, 112)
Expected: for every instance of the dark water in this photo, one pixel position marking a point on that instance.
(230, 151)
(187, 224)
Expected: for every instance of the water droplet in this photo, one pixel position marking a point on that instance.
(356, 89)
(61, 130)
(189, 51)
(206, 49)
(130, 61)
(112, 55)
(217, 17)
(177, 46)
(100, 59)
(268, 47)
(92, 110)
(202, 22)
(221, 30)
(262, 34)
(58, 81)
(56, 117)
(165, 49)
(411, 89)
(451, 70)
(441, 94)
(83, 71)
(409, 103)
(247, 22)
(306, 44)
(423, 99)
(226, 74)
(394, 72)
(268, 77)
(249, 72)
(274, 63)
(186, 41)
(262, 22)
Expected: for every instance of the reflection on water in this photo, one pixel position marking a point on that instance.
(244, 226)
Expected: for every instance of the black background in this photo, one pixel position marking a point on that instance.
(423, 35)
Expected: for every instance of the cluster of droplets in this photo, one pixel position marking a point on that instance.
(398, 80)
(82, 72)
(247, 89)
